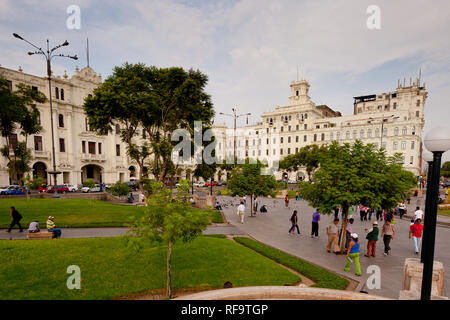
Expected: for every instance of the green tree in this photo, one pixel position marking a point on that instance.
(445, 170)
(18, 112)
(168, 218)
(308, 156)
(247, 180)
(119, 189)
(357, 174)
(156, 101)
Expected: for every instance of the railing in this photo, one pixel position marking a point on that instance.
(93, 157)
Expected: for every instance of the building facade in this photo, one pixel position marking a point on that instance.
(393, 121)
(80, 153)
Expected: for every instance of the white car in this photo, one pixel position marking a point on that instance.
(94, 189)
(199, 184)
(71, 187)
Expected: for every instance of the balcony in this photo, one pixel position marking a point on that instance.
(40, 154)
(88, 157)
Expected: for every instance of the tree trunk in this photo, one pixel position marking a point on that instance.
(343, 230)
(169, 266)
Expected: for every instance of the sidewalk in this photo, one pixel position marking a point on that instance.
(110, 232)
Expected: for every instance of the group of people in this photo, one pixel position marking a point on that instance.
(34, 225)
(352, 242)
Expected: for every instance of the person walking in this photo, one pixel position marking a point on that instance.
(241, 211)
(353, 255)
(255, 204)
(16, 217)
(315, 225)
(294, 221)
(286, 201)
(401, 209)
(332, 233)
(348, 232)
(416, 231)
(51, 227)
(296, 195)
(362, 212)
(388, 233)
(418, 214)
(372, 238)
(379, 214)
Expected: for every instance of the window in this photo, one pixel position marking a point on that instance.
(413, 132)
(296, 93)
(282, 129)
(83, 146)
(281, 151)
(395, 146)
(267, 152)
(274, 152)
(347, 135)
(118, 150)
(296, 150)
(403, 145)
(37, 143)
(281, 140)
(396, 131)
(117, 128)
(411, 160)
(404, 131)
(395, 106)
(289, 150)
(369, 133)
(267, 141)
(289, 128)
(377, 132)
(417, 114)
(418, 103)
(385, 131)
(289, 139)
(315, 137)
(13, 140)
(361, 134)
(338, 135)
(275, 140)
(306, 126)
(318, 127)
(38, 117)
(91, 147)
(100, 148)
(306, 116)
(331, 136)
(296, 127)
(62, 145)
(355, 134)
(61, 121)
(56, 93)
(323, 137)
(62, 94)
(296, 138)
(412, 145)
(305, 138)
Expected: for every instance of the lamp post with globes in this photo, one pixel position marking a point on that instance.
(48, 57)
(428, 157)
(437, 141)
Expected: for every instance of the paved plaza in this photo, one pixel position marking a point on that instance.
(272, 228)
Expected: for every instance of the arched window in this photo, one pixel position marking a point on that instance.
(361, 134)
(369, 133)
(61, 121)
(347, 135)
(56, 93)
(355, 134)
(396, 131)
(404, 131)
(62, 94)
(315, 137)
(323, 137)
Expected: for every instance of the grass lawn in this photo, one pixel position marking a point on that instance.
(37, 269)
(322, 277)
(74, 213)
(444, 212)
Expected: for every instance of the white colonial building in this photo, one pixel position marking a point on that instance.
(393, 121)
(80, 153)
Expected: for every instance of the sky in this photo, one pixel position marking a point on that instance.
(250, 49)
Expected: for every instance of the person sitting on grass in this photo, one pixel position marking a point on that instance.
(353, 253)
(51, 227)
(217, 205)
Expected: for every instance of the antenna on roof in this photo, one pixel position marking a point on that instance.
(87, 51)
(420, 76)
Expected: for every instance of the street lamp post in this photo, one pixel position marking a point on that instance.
(428, 157)
(383, 119)
(235, 116)
(48, 57)
(437, 141)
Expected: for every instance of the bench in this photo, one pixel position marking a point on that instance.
(40, 235)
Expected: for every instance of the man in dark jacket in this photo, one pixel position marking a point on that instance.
(372, 237)
(16, 216)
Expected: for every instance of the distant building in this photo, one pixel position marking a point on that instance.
(393, 121)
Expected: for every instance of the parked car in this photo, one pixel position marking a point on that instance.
(221, 183)
(13, 190)
(199, 184)
(71, 187)
(59, 189)
(94, 189)
(208, 184)
(133, 185)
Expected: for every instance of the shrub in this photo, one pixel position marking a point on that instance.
(119, 189)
